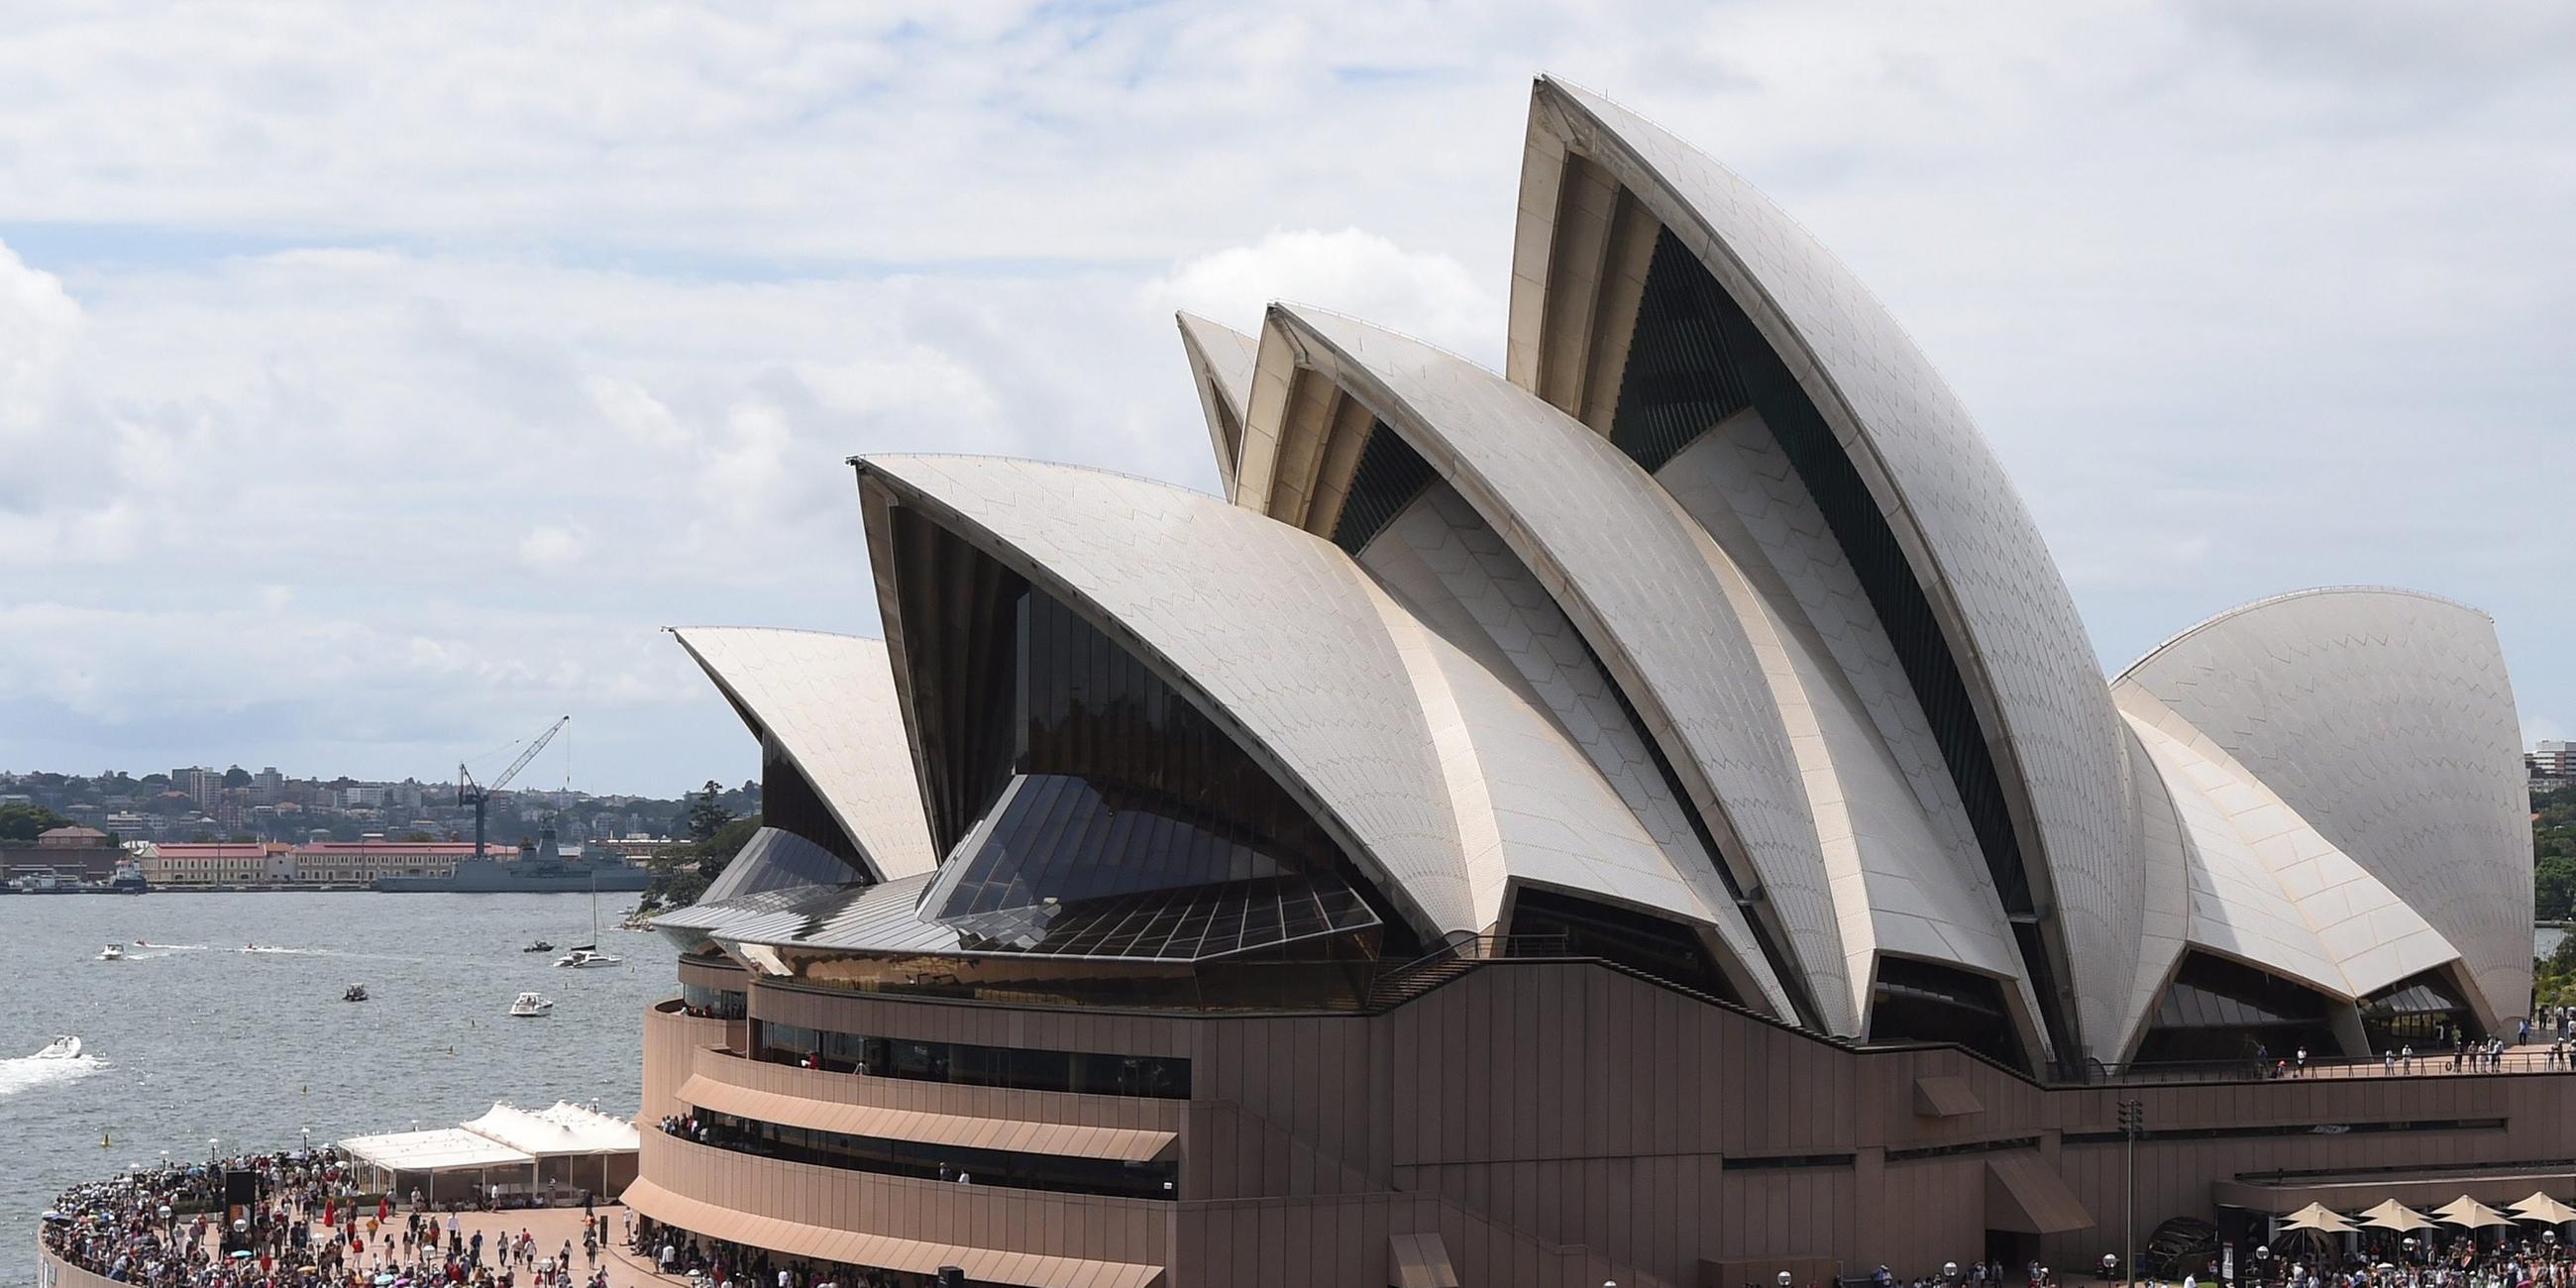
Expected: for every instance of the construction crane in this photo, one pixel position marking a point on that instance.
(469, 792)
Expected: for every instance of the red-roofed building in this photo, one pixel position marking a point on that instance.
(212, 863)
(361, 862)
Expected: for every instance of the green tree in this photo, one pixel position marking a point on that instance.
(236, 778)
(2554, 893)
(683, 875)
(21, 823)
(706, 816)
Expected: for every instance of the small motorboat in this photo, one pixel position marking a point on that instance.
(530, 1006)
(65, 1047)
(586, 957)
(356, 993)
(111, 953)
(539, 946)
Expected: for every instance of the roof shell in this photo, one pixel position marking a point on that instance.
(1273, 633)
(1221, 361)
(1979, 558)
(2385, 720)
(829, 701)
(1637, 579)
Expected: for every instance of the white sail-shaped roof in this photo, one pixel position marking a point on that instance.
(1274, 632)
(1221, 368)
(2382, 720)
(828, 701)
(2010, 624)
(1634, 578)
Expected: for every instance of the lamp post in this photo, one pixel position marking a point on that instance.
(1950, 1272)
(210, 1151)
(307, 1134)
(2263, 1263)
(1784, 1279)
(2110, 1266)
(2133, 1124)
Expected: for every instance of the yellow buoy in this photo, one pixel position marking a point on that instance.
(102, 1140)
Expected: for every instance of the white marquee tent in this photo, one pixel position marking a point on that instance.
(559, 1152)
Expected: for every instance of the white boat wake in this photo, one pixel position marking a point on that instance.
(61, 1061)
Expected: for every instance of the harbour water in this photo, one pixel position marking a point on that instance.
(205, 1040)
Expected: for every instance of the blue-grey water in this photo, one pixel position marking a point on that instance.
(205, 1040)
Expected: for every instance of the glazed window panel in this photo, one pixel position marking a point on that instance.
(965, 1064)
(714, 1003)
(1131, 826)
(1006, 1168)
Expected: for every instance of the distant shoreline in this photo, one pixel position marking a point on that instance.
(283, 888)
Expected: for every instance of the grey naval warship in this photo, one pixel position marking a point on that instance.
(538, 868)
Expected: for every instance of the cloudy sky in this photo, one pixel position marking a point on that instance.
(376, 380)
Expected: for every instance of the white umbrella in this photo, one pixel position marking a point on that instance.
(2317, 1216)
(2540, 1207)
(2393, 1215)
(2466, 1211)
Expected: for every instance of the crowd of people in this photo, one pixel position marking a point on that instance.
(307, 1226)
(311, 1226)
(2520, 1259)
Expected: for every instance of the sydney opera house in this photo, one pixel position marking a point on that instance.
(1651, 814)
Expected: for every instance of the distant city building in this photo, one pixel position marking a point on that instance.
(2551, 760)
(213, 863)
(362, 861)
(68, 853)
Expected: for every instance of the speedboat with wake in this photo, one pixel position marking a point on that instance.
(531, 1006)
(65, 1047)
(111, 953)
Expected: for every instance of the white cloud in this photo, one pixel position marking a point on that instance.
(555, 547)
(373, 382)
(1426, 294)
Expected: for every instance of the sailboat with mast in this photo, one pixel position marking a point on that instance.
(584, 956)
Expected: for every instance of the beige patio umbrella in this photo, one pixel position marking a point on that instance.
(2466, 1211)
(2540, 1207)
(2393, 1215)
(2318, 1217)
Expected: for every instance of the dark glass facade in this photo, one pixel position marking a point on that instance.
(1007, 1168)
(713, 1003)
(2423, 1011)
(2218, 1010)
(1695, 359)
(1021, 1068)
(789, 803)
(1916, 1001)
(1390, 474)
(1114, 819)
(1664, 949)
